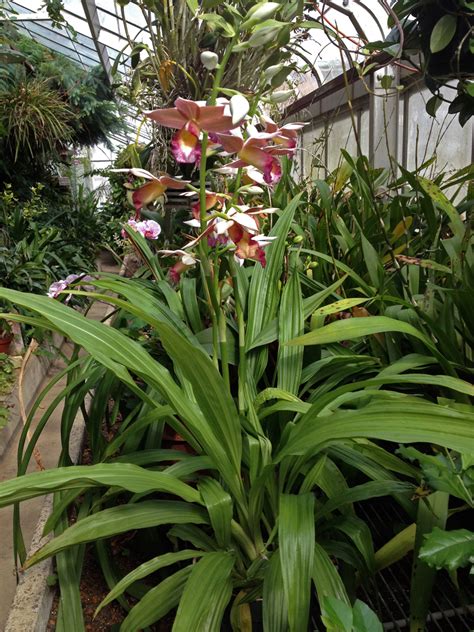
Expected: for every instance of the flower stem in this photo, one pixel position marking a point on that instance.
(241, 327)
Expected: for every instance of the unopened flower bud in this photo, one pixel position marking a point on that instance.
(209, 60)
(298, 239)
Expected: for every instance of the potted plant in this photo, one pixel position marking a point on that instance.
(6, 334)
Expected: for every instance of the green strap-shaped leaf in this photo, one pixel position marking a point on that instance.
(157, 602)
(219, 506)
(215, 402)
(206, 595)
(108, 522)
(130, 477)
(351, 328)
(404, 420)
(290, 325)
(296, 537)
(434, 192)
(263, 290)
(275, 607)
(326, 578)
(145, 569)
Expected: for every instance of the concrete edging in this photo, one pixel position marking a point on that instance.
(35, 372)
(33, 597)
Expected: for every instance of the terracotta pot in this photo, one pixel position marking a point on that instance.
(5, 342)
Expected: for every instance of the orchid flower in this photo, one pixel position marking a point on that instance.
(255, 152)
(148, 228)
(149, 192)
(57, 287)
(213, 200)
(242, 228)
(185, 262)
(190, 118)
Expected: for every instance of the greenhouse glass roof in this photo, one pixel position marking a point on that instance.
(103, 30)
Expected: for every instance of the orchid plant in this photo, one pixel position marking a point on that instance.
(228, 222)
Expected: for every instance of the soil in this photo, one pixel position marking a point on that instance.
(93, 590)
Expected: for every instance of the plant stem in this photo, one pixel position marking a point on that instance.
(211, 274)
(241, 327)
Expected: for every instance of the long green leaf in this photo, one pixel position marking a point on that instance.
(145, 569)
(326, 578)
(206, 595)
(404, 420)
(290, 324)
(108, 522)
(215, 402)
(296, 537)
(264, 284)
(275, 606)
(219, 506)
(130, 477)
(157, 602)
(351, 328)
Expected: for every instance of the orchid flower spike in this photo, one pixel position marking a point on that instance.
(190, 118)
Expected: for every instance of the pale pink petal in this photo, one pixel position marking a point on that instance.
(138, 173)
(189, 109)
(232, 144)
(174, 183)
(293, 126)
(236, 164)
(239, 106)
(280, 151)
(247, 221)
(223, 124)
(168, 117)
(194, 223)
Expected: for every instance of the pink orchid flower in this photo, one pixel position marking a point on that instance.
(149, 192)
(57, 287)
(148, 228)
(255, 152)
(190, 118)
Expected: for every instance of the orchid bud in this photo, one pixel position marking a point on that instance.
(209, 60)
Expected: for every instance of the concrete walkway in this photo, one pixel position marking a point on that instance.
(49, 446)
